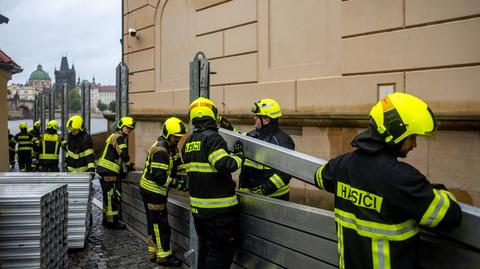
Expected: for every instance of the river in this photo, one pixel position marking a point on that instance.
(98, 125)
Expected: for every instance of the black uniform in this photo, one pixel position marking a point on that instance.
(24, 150)
(48, 151)
(379, 203)
(11, 149)
(109, 168)
(160, 168)
(35, 132)
(79, 156)
(212, 194)
(273, 183)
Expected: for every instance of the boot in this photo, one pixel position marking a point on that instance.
(152, 249)
(170, 261)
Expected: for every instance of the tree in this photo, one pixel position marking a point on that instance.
(112, 106)
(74, 101)
(102, 106)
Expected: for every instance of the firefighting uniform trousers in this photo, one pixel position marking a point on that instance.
(216, 237)
(11, 157)
(111, 197)
(159, 231)
(24, 160)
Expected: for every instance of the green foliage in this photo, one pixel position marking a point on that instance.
(74, 104)
(102, 106)
(112, 106)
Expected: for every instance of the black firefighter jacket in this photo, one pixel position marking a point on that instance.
(160, 167)
(79, 156)
(115, 151)
(253, 174)
(380, 203)
(209, 167)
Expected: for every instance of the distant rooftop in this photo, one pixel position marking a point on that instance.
(7, 63)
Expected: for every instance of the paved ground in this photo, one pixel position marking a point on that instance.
(106, 248)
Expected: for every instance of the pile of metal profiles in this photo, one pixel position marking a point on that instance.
(33, 226)
(80, 192)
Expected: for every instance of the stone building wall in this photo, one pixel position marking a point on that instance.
(316, 56)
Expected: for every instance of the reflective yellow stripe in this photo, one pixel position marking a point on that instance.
(47, 156)
(109, 165)
(79, 155)
(245, 189)
(318, 177)
(77, 169)
(152, 186)
(216, 155)
(122, 146)
(340, 248)
(437, 209)
(91, 165)
(213, 202)
(24, 148)
(256, 165)
(151, 249)
(380, 253)
(393, 232)
(159, 165)
(157, 236)
(199, 167)
(277, 181)
(283, 190)
(238, 160)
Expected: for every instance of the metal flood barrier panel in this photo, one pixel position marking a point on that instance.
(33, 226)
(279, 234)
(80, 192)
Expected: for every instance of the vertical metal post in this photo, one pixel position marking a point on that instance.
(35, 108)
(64, 109)
(199, 77)
(85, 94)
(51, 112)
(121, 100)
(199, 86)
(43, 118)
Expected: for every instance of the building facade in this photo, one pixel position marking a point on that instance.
(326, 62)
(39, 79)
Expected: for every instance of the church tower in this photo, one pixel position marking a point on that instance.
(65, 74)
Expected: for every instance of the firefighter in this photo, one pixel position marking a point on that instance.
(79, 155)
(160, 169)
(49, 148)
(380, 201)
(258, 178)
(11, 150)
(35, 132)
(110, 168)
(24, 149)
(212, 191)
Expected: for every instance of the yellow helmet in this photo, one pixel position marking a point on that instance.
(37, 124)
(23, 125)
(267, 107)
(30, 130)
(173, 126)
(399, 115)
(75, 122)
(52, 125)
(126, 121)
(203, 107)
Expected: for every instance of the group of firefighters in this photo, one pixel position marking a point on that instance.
(380, 202)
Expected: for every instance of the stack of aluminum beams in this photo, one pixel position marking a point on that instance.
(33, 226)
(80, 194)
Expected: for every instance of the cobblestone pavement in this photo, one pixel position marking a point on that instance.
(106, 248)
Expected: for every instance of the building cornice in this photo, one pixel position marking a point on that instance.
(445, 121)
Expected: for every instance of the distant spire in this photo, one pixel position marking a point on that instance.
(64, 64)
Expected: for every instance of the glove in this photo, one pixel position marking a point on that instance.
(130, 166)
(259, 190)
(238, 148)
(181, 183)
(92, 170)
(224, 123)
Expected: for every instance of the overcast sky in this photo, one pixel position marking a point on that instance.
(42, 31)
